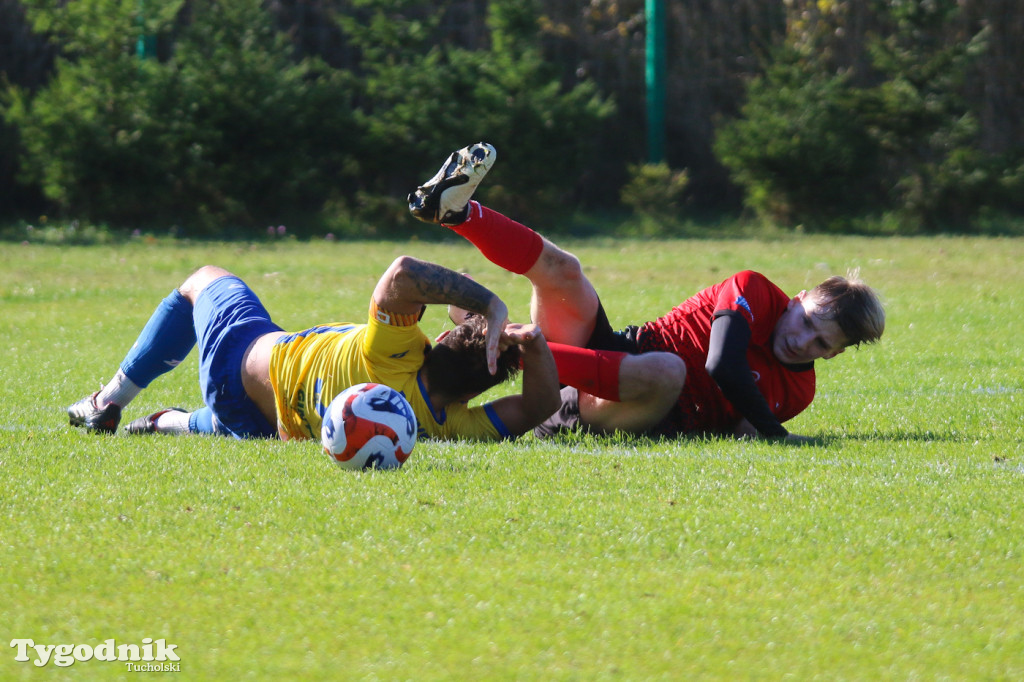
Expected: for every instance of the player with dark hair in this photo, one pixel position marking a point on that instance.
(736, 358)
(259, 381)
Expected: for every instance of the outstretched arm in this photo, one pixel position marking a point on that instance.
(410, 283)
(727, 365)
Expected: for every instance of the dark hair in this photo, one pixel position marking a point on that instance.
(853, 305)
(457, 365)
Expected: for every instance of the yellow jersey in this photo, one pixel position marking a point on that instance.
(309, 368)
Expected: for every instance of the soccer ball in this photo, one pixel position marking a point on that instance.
(367, 426)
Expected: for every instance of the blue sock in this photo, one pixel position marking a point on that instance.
(201, 421)
(164, 342)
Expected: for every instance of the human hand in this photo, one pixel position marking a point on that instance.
(744, 430)
(519, 334)
(497, 320)
(794, 439)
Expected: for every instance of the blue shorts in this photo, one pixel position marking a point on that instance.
(228, 317)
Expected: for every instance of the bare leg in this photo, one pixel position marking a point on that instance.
(649, 385)
(197, 281)
(564, 302)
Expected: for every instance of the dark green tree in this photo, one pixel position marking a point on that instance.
(226, 130)
(799, 149)
(425, 96)
(825, 144)
(933, 165)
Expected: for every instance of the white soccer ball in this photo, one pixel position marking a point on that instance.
(367, 426)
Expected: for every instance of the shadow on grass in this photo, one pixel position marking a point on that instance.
(632, 441)
(901, 437)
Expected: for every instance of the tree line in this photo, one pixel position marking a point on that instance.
(228, 115)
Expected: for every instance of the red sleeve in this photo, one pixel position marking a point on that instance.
(754, 297)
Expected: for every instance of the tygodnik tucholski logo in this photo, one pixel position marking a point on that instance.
(149, 656)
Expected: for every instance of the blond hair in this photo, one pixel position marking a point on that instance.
(853, 305)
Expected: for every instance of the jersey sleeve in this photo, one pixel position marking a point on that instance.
(393, 345)
(755, 298)
(474, 423)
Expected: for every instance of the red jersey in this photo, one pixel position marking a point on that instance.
(686, 331)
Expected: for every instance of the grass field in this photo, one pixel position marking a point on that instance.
(891, 551)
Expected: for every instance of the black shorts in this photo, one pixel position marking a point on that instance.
(605, 338)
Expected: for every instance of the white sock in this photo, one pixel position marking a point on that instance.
(120, 391)
(173, 423)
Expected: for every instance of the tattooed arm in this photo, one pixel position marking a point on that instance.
(410, 283)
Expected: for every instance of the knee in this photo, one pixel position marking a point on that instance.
(198, 280)
(668, 373)
(654, 377)
(561, 265)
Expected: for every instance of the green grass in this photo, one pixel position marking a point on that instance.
(891, 551)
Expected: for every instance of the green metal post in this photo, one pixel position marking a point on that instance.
(655, 80)
(145, 46)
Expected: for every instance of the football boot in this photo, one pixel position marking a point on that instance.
(147, 424)
(445, 197)
(88, 415)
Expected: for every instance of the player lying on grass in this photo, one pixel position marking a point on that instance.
(736, 358)
(259, 381)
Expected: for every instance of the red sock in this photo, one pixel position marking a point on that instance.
(500, 239)
(592, 371)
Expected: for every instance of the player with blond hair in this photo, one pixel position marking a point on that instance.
(736, 358)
